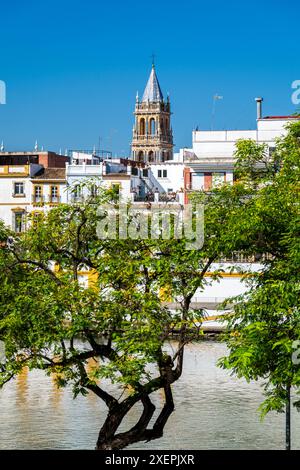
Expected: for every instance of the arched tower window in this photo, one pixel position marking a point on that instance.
(142, 126)
(162, 126)
(152, 126)
(140, 156)
(167, 126)
(151, 156)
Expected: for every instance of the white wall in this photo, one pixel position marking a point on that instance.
(174, 179)
(221, 144)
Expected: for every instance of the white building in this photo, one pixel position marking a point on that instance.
(167, 176)
(211, 158)
(129, 177)
(29, 188)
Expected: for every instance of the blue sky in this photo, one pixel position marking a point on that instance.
(72, 68)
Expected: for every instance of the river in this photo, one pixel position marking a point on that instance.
(213, 411)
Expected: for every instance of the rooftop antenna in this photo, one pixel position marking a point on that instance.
(99, 143)
(216, 97)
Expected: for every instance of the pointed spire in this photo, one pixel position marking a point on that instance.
(66, 152)
(60, 151)
(36, 147)
(94, 150)
(2, 147)
(152, 91)
(137, 97)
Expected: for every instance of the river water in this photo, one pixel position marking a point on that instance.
(213, 411)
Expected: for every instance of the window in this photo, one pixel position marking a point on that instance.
(145, 173)
(36, 217)
(116, 187)
(18, 189)
(170, 190)
(142, 126)
(140, 156)
(37, 194)
(151, 156)
(54, 194)
(76, 193)
(18, 223)
(162, 173)
(134, 171)
(152, 126)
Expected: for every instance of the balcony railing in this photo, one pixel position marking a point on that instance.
(40, 200)
(237, 257)
(162, 138)
(168, 197)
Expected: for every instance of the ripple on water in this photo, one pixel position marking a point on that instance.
(213, 411)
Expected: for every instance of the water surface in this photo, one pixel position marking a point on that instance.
(213, 411)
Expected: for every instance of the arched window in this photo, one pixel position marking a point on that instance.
(141, 156)
(151, 156)
(163, 156)
(142, 126)
(162, 129)
(152, 126)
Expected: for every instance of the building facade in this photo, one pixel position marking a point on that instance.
(211, 159)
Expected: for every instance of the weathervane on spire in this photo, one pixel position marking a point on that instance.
(153, 58)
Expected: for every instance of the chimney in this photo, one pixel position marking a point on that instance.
(259, 107)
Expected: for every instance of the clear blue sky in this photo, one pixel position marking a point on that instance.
(72, 68)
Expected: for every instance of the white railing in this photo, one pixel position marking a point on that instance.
(208, 300)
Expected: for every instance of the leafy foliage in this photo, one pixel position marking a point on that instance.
(266, 321)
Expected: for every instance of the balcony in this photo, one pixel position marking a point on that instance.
(145, 138)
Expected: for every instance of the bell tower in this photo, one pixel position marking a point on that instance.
(152, 139)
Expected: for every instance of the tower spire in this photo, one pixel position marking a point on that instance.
(152, 136)
(152, 91)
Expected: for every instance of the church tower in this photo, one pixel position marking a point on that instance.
(152, 133)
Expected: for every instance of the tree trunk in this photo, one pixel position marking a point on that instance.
(109, 440)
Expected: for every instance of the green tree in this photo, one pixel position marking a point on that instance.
(265, 326)
(122, 318)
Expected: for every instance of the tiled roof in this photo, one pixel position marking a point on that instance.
(51, 174)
